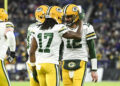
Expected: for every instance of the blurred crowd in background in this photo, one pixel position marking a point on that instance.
(105, 17)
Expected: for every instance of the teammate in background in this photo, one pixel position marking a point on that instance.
(75, 55)
(7, 39)
(47, 41)
(40, 17)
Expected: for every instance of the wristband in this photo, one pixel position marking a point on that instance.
(32, 63)
(94, 64)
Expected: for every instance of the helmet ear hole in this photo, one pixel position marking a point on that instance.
(40, 17)
(59, 18)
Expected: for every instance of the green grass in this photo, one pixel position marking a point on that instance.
(21, 83)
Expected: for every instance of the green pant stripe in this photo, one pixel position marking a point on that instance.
(57, 75)
(5, 72)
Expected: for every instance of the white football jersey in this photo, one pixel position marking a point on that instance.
(4, 28)
(48, 42)
(30, 32)
(77, 49)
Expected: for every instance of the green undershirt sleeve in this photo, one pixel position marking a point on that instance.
(91, 46)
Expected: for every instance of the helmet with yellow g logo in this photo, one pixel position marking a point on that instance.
(40, 13)
(71, 11)
(56, 13)
(3, 15)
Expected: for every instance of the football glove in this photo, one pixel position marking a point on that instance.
(35, 76)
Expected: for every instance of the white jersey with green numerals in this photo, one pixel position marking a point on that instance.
(77, 49)
(48, 42)
(4, 28)
(31, 29)
(30, 32)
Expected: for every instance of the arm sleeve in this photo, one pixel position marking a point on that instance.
(92, 54)
(91, 46)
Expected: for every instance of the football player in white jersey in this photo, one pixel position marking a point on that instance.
(75, 55)
(7, 39)
(40, 17)
(46, 41)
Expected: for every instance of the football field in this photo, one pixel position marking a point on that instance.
(108, 83)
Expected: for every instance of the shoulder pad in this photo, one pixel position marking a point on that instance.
(38, 23)
(59, 25)
(86, 24)
(32, 25)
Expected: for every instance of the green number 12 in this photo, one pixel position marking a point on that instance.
(74, 44)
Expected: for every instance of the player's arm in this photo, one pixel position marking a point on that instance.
(73, 35)
(32, 57)
(90, 36)
(92, 53)
(11, 40)
(61, 50)
(33, 50)
(9, 34)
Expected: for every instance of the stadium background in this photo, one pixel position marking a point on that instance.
(104, 15)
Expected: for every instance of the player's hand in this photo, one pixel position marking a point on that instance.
(35, 75)
(60, 62)
(94, 76)
(11, 57)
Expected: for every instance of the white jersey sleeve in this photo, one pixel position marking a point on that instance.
(7, 38)
(90, 33)
(9, 25)
(62, 29)
(30, 34)
(9, 32)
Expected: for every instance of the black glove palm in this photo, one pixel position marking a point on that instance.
(35, 75)
(11, 57)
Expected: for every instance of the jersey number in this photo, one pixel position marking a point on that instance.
(46, 35)
(74, 44)
(28, 39)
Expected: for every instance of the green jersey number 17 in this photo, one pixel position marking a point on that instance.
(50, 38)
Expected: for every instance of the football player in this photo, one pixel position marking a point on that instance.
(75, 55)
(7, 39)
(40, 17)
(46, 41)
